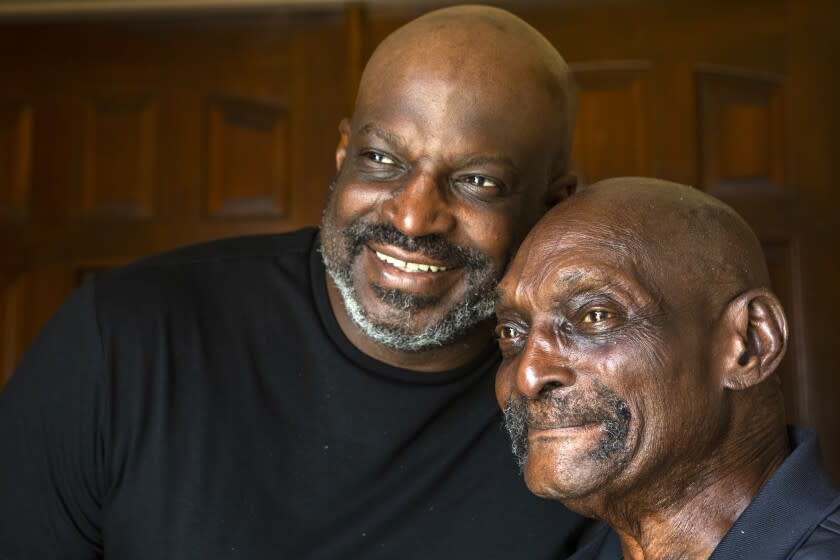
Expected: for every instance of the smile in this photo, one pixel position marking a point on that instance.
(559, 431)
(409, 266)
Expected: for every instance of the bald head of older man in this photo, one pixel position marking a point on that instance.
(640, 339)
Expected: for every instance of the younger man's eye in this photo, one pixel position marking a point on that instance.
(379, 157)
(481, 181)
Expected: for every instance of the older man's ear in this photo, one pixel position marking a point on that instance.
(753, 340)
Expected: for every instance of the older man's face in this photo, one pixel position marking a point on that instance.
(603, 379)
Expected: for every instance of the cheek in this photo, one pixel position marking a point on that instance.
(492, 233)
(350, 202)
(626, 368)
(504, 383)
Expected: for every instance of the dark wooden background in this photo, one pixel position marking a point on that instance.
(124, 135)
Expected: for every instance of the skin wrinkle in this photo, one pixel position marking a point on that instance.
(705, 428)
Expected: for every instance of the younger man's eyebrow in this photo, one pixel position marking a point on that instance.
(479, 159)
(389, 137)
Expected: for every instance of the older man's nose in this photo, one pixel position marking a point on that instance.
(542, 367)
(420, 208)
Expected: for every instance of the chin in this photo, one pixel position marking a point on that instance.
(409, 321)
(430, 327)
(445, 315)
(567, 478)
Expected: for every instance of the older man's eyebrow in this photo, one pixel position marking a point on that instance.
(586, 281)
(500, 296)
(503, 300)
(570, 277)
(392, 139)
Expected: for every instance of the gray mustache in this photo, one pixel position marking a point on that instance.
(566, 411)
(561, 411)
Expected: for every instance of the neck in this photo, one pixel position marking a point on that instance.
(694, 526)
(684, 511)
(461, 352)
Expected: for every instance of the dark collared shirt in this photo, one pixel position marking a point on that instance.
(795, 515)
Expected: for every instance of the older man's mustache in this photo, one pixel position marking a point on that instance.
(552, 411)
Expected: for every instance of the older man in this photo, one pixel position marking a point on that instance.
(639, 340)
(306, 395)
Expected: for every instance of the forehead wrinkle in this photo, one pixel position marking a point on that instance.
(480, 159)
(611, 237)
(390, 137)
(619, 246)
(512, 293)
(579, 281)
(616, 265)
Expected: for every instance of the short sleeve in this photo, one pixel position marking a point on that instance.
(52, 441)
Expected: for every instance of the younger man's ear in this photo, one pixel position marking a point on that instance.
(560, 189)
(754, 338)
(343, 140)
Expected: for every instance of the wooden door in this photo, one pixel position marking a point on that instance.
(123, 136)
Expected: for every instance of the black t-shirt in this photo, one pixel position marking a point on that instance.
(205, 404)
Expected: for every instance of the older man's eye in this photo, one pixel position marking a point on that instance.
(506, 332)
(510, 338)
(596, 316)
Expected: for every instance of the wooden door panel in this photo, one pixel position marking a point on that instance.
(247, 159)
(740, 120)
(120, 161)
(16, 121)
(611, 136)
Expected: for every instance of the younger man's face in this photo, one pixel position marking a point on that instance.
(439, 180)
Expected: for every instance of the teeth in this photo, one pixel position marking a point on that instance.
(409, 266)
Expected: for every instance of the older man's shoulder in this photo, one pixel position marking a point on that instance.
(824, 542)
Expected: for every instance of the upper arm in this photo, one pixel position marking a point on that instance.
(52, 441)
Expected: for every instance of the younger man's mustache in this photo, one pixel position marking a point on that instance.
(434, 246)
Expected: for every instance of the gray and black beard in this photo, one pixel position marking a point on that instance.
(545, 412)
(477, 304)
